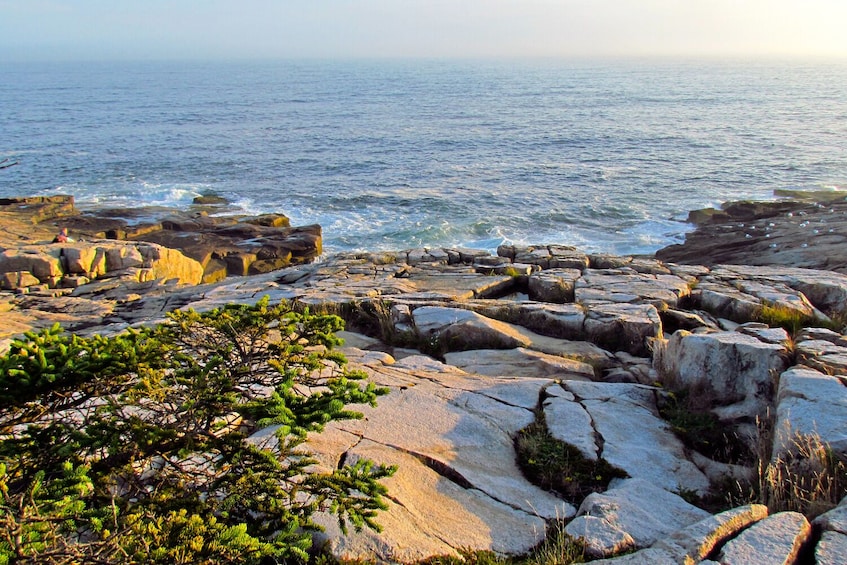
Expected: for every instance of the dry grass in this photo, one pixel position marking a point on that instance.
(810, 478)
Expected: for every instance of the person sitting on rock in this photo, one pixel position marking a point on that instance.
(62, 236)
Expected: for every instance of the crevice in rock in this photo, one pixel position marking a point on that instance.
(599, 441)
(439, 467)
(342, 459)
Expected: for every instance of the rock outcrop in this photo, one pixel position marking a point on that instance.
(223, 244)
(72, 265)
(474, 348)
(810, 234)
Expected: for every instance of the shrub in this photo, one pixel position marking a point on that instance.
(136, 448)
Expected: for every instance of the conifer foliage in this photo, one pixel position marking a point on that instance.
(137, 448)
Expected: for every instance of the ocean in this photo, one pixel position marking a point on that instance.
(608, 156)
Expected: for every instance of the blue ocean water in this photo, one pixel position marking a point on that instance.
(606, 155)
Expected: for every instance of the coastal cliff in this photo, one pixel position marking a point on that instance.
(605, 352)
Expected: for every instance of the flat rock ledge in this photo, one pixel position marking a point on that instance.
(493, 342)
(475, 347)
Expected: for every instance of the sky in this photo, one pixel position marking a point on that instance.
(271, 29)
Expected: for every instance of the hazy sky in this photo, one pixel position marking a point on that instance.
(156, 29)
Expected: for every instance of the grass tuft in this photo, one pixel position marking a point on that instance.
(790, 319)
(811, 478)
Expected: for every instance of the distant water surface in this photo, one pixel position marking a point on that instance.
(608, 156)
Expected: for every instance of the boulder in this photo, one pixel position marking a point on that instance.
(462, 329)
(601, 537)
(825, 356)
(831, 549)
(17, 280)
(835, 520)
(546, 256)
(636, 507)
(627, 327)
(119, 257)
(41, 261)
(553, 285)
(697, 541)
(776, 539)
(168, 263)
(737, 368)
(564, 321)
(832, 546)
(810, 403)
(79, 259)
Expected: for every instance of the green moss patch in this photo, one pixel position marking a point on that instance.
(559, 466)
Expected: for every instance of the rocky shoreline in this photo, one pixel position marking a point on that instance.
(474, 346)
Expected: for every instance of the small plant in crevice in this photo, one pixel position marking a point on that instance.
(789, 319)
(559, 548)
(558, 466)
(699, 429)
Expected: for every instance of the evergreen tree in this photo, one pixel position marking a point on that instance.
(136, 448)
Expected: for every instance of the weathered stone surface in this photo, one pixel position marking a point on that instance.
(546, 256)
(49, 263)
(810, 403)
(463, 329)
(778, 233)
(697, 541)
(776, 539)
(608, 261)
(628, 327)
(42, 261)
(553, 285)
(735, 367)
(831, 549)
(444, 428)
(519, 362)
(649, 556)
(629, 286)
(826, 290)
(564, 321)
(79, 259)
(601, 538)
(835, 520)
(635, 506)
(568, 421)
(823, 355)
(430, 515)
(17, 280)
(634, 437)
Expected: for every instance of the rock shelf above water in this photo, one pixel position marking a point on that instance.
(474, 345)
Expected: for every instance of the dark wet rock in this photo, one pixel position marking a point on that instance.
(811, 235)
